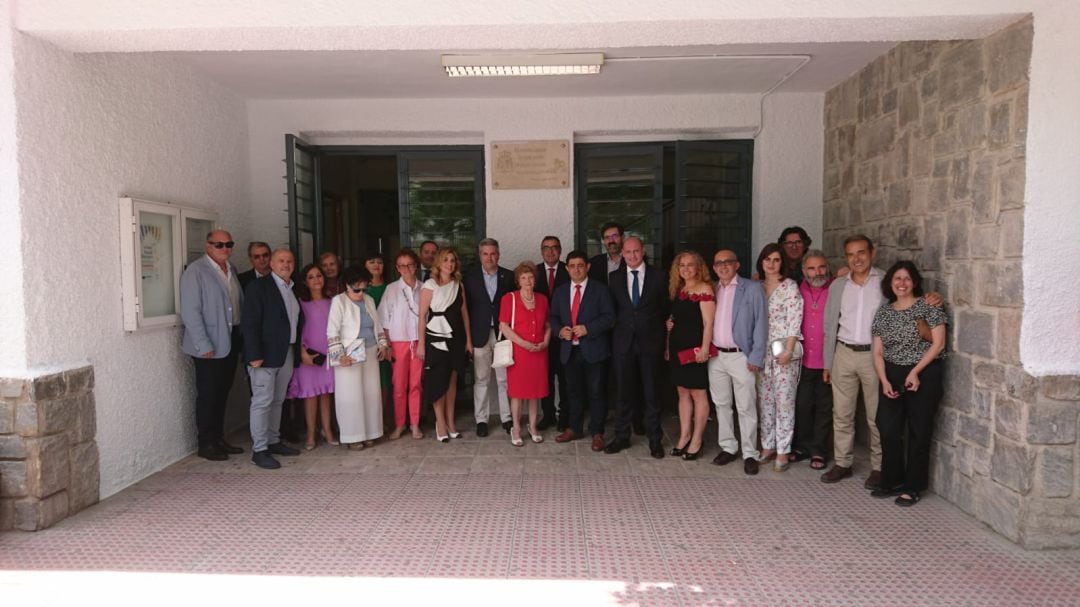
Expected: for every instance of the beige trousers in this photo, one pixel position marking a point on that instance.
(850, 370)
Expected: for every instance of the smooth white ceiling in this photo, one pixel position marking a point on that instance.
(642, 71)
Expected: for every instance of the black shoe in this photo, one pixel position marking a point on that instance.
(227, 448)
(617, 445)
(750, 466)
(213, 453)
(545, 423)
(687, 456)
(881, 492)
(264, 460)
(481, 430)
(724, 458)
(282, 449)
(656, 449)
(507, 426)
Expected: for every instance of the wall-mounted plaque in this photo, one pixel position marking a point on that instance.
(530, 165)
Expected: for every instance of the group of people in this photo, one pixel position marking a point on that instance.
(788, 351)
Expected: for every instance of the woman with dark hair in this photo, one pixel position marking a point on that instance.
(779, 377)
(690, 327)
(795, 242)
(376, 264)
(523, 319)
(313, 380)
(908, 339)
(445, 342)
(354, 328)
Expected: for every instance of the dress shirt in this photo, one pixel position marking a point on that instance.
(813, 324)
(725, 312)
(399, 311)
(292, 307)
(491, 282)
(232, 284)
(630, 280)
(857, 308)
(613, 264)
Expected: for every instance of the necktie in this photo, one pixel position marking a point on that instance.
(635, 290)
(551, 280)
(575, 306)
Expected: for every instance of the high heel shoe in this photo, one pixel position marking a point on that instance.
(515, 438)
(455, 435)
(678, 451)
(689, 457)
(536, 436)
(442, 439)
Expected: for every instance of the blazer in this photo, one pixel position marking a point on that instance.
(749, 320)
(265, 324)
(205, 310)
(561, 277)
(598, 268)
(645, 323)
(484, 311)
(246, 278)
(832, 313)
(596, 313)
(343, 323)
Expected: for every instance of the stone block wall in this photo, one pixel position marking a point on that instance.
(48, 456)
(925, 153)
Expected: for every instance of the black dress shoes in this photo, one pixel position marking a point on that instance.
(213, 453)
(617, 445)
(656, 449)
(264, 460)
(507, 426)
(724, 458)
(481, 430)
(750, 466)
(227, 448)
(282, 449)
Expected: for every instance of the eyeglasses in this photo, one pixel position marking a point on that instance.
(793, 243)
(611, 237)
(221, 245)
(357, 289)
(402, 266)
(725, 262)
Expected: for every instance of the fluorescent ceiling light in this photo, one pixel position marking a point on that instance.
(561, 64)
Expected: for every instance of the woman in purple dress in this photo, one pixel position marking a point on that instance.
(313, 380)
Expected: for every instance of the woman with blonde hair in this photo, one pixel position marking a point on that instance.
(693, 306)
(444, 342)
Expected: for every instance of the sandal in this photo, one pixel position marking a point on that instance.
(781, 467)
(536, 436)
(817, 462)
(355, 446)
(909, 498)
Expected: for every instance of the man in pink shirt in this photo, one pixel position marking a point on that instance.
(814, 399)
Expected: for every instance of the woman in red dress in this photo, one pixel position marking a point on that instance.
(523, 319)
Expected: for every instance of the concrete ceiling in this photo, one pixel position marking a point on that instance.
(640, 71)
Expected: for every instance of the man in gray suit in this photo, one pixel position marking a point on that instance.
(740, 330)
(210, 305)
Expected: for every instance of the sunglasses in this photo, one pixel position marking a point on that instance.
(221, 245)
(357, 289)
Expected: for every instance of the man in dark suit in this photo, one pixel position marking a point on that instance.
(550, 275)
(259, 256)
(582, 316)
(485, 285)
(602, 265)
(639, 292)
(271, 323)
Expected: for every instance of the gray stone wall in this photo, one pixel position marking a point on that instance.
(925, 153)
(48, 456)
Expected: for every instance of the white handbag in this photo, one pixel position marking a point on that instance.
(503, 350)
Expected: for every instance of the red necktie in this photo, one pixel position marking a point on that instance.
(551, 280)
(575, 305)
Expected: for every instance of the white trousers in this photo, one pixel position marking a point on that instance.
(730, 382)
(490, 384)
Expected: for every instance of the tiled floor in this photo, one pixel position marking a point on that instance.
(479, 521)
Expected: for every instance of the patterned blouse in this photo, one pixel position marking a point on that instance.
(899, 331)
(785, 311)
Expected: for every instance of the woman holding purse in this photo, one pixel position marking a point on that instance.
(353, 317)
(690, 331)
(523, 319)
(313, 380)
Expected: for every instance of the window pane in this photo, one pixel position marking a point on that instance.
(621, 188)
(157, 269)
(197, 229)
(441, 203)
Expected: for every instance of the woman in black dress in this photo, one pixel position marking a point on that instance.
(444, 341)
(690, 333)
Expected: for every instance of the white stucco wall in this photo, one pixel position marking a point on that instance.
(91, 129)
(788, 170)
(12, 321)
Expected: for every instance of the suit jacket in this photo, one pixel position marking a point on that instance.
(749, 320)
(561, 277)
(484, 311)
(832, 312)
(598, 268)
(246, 278)
(645, 323)
(206, 310)
(596, 313)
(265, 324)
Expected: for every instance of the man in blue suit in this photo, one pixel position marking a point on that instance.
(210, 303)
(740, 332)
(485, 284)
(272, 324)
(582, 316)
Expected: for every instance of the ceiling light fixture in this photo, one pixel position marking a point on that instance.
(560, 64)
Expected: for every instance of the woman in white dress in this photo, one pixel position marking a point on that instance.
(358, 392)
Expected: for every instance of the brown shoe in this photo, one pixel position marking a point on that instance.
(567, 436)
(723, 458)
(837, 474)
(750, 466)
(873, 481)
(597, 442)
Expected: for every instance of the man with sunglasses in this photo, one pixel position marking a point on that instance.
(210, 306)
(259, 256)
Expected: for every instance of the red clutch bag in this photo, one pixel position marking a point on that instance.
(689, 355)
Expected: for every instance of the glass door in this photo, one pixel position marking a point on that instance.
(441, 198)
(305, 216)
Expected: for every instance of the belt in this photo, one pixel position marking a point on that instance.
(857, 348)
(726, 350)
